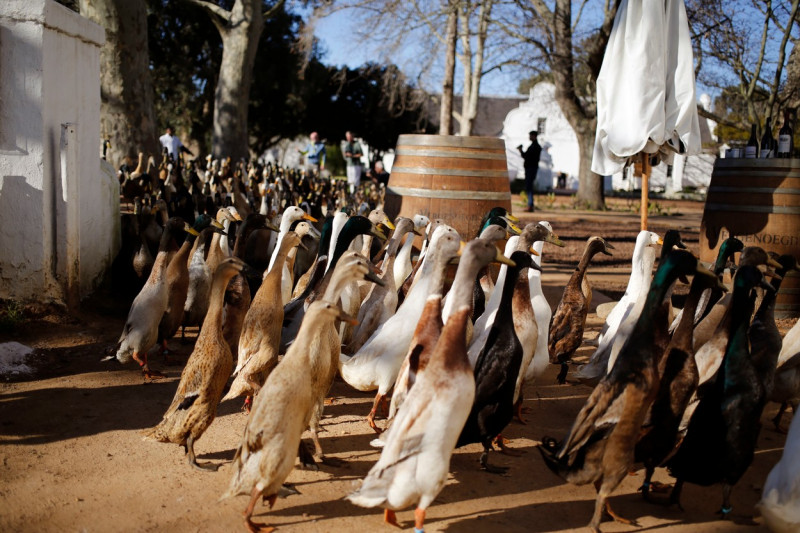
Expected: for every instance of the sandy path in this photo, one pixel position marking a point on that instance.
(73, 458)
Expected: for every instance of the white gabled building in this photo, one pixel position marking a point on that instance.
(541, 112)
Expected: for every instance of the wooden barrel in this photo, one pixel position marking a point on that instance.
(456, 179)
(757, 201)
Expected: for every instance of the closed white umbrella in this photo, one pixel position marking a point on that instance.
(646, 90)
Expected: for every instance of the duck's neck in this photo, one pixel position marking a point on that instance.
(212, 325)
(184, 253)
(505, 312)
(580, 270)
(461, 291)
(737, 352)
(366, 247)
(682, 338)
(273, 277)
(722, 260)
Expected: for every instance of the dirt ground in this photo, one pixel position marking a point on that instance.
(73, 458)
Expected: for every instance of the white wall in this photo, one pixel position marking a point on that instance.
(59, 214)
(558, 132)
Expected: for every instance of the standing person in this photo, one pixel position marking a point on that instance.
(173, 144)
(352, 155)
(315, 153)
(531, 159)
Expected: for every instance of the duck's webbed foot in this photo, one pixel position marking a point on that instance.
(307, 461)
(204, 467)
(490, 468)
(502, 444)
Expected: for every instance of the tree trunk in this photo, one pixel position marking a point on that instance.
(464, 120)
(240, 38)
(582, 120)
(127, 119)
(446, 111)
(590, 190)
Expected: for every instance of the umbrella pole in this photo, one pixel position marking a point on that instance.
(645, 189)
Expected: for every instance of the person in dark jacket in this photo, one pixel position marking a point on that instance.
(531, 164)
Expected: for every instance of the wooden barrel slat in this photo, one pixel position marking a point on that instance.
(456, 179)
(758, 201)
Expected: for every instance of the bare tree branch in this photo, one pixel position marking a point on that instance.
(274, 9)
(219, 16)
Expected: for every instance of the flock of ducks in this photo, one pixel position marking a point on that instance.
(287, 299)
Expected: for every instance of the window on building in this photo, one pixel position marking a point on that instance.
(541, 125)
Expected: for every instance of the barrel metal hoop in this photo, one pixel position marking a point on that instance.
(455, 141)
(756, 190)
(404, 151)
(451, 172)
(771, 209)
(449, 195)
(750, 173)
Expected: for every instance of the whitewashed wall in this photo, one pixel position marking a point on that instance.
(59, 213)
(558, 132)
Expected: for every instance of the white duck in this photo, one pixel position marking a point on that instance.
(141, 327)
(402, 264)
(786, 386)
(415, 460)
(290, 215)
(381, 301)
(541, 309)
(377, 363)
(627, 309)
(780, 501)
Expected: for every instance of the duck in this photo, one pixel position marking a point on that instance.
(363, 243)
(483, 324)
(786, 385)
(711, 335)
(678, 379)
(765, 338)
(672, 241)
(281, 412)
(142, 260)
(377, 363)
(644, 257)
(226, 241)
(426, 334)
(381, 301)
(495, 229)
(402, 292)
(177, 280)
(722, 434)
(727, 249)
(403, 264)
(600, 446)
(308, 280)
(196, 305)
(566, 327)
(415, 459)
(216, 254)
(780, 499)
(237, 295)
(141, 327)
(355, 225)
(527, 296)
(261, 331)
(497, 368)
(351, 268)
(203, 378)
(290, 215)
(542, 313)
